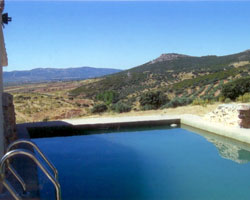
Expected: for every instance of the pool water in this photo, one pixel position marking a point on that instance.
(169, 163)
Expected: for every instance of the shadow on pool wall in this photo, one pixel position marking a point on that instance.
(63, 129)
(236, 151)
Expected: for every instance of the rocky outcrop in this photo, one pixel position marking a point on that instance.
(9, 119)
(168, 56)
(231, 114)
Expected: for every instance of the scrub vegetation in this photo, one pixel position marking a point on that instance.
(182, 79)
(170, 81)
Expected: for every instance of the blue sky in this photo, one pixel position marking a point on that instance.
(121, 34)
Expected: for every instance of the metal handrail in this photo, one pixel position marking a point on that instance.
(11, 190)
(22, 141)
(17, 176)
(38, 163)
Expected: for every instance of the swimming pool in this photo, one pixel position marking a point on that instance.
(160, 163)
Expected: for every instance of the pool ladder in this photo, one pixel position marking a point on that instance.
(5, 165)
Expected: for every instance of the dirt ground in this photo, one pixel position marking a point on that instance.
(195, 110)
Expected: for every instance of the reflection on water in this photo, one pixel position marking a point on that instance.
(229, 149)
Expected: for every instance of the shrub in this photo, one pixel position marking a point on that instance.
(228, 100)
(46, 119)
(153, 100)
(221, 98)
(99, 108)
(244, 98)
(121, 107)
(177, 102)
(108, 97)
(236, 88)
(148, 107)
(201, 102)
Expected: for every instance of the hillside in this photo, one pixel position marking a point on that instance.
(183, 79)
(39, 75)
(176, 75)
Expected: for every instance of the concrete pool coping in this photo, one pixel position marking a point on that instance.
(233, 132)
(236, 133)
(135, 120)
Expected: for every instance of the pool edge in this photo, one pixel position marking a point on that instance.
(236, 133)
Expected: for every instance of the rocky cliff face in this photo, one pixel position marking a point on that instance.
(168, 57)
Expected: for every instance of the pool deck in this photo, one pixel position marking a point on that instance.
(236, 133)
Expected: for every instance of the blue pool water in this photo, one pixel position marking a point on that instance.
(169, 164)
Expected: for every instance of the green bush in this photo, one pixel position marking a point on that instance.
(99, 108)
(244, 98)
(201, 102)
(236, 88)
(176, 102)
(148, 107)
(108, 97)
(153, 100)
(228, 100)
(121, 107)
(221, 98)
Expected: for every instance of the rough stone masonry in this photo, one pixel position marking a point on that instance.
(231, 114)
(10, 132)
(244, 115)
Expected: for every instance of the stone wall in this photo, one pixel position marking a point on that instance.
(231, 114)
(9, 119)
(244, 115)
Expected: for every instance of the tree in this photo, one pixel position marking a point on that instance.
(108, 97)
(153, 100)
(236, 88)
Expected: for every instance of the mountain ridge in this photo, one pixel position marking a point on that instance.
(39, 75)
(177, 75)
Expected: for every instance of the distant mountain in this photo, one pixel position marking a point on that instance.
(177, 75)
(52, 74)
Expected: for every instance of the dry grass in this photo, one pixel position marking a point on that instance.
(194, 110)
(50, 101)
(240, 64)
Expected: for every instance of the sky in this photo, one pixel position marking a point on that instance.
(117, 34)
